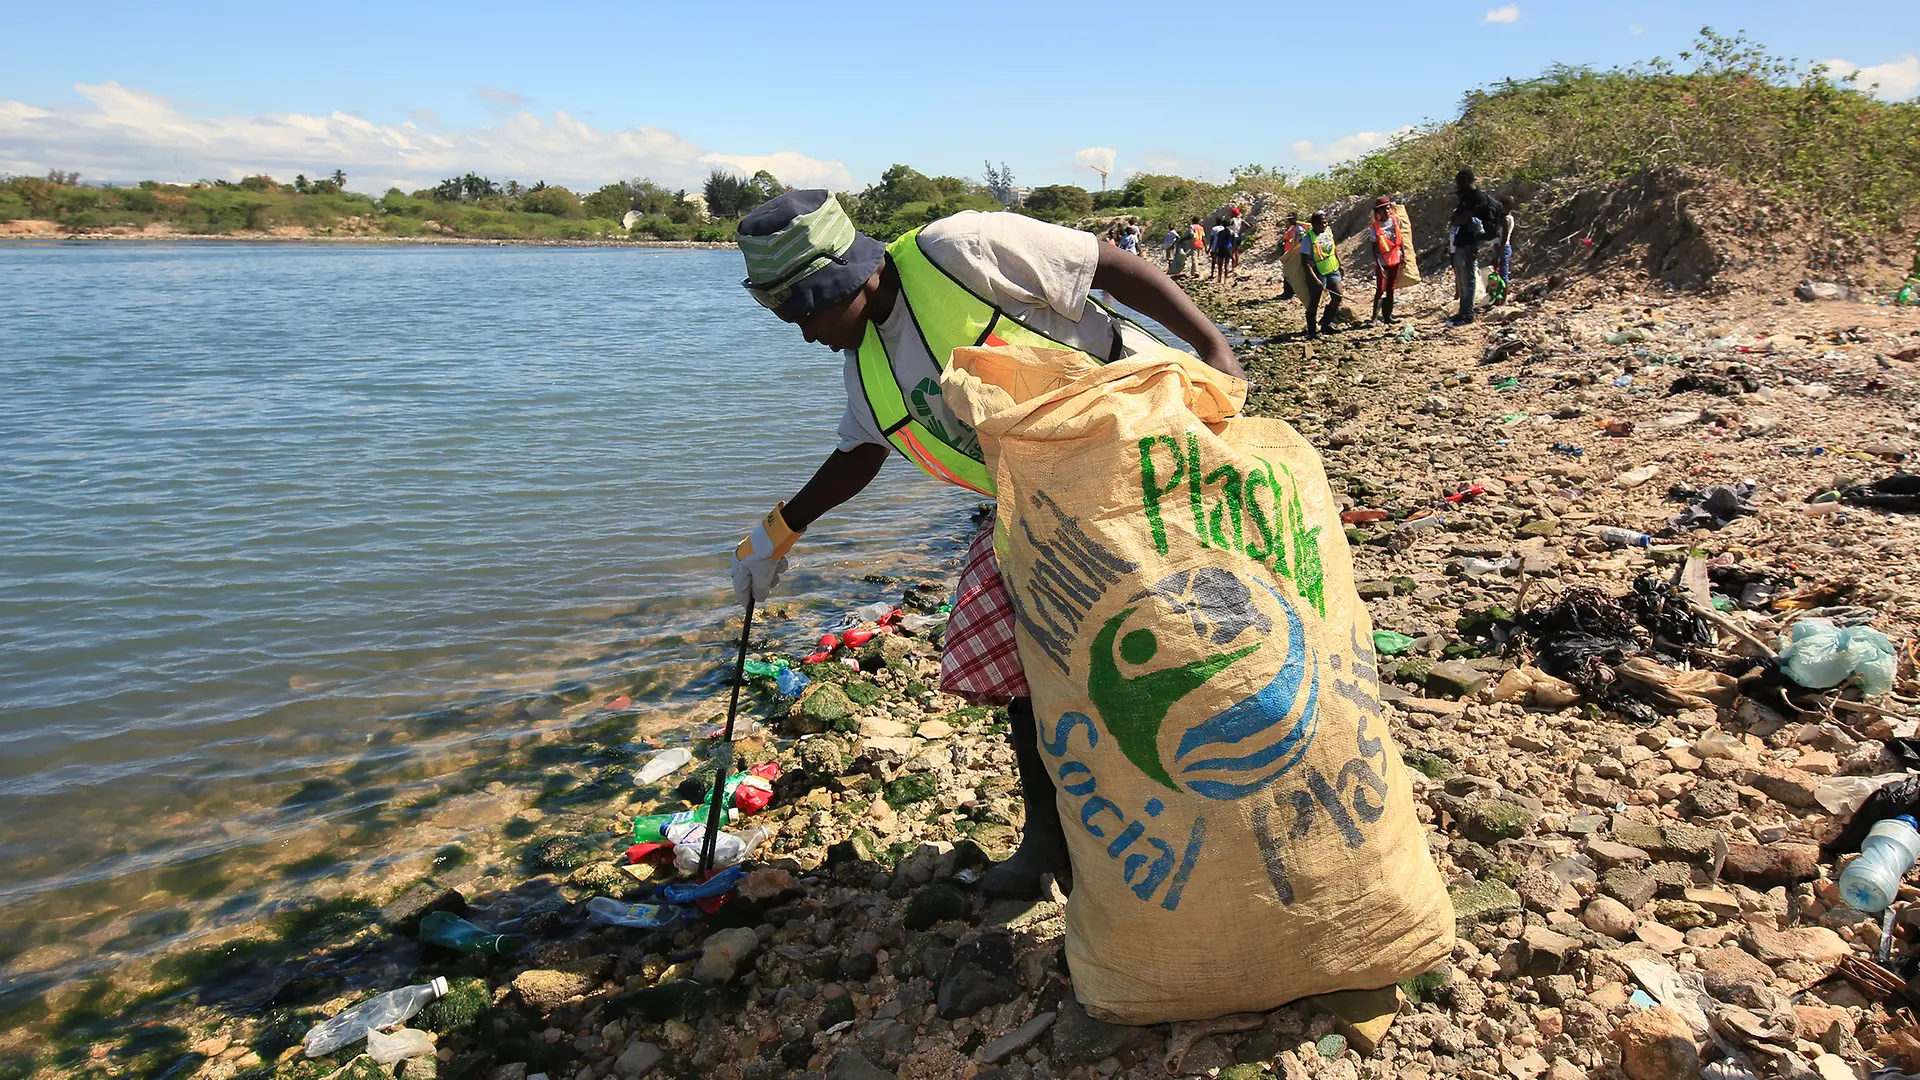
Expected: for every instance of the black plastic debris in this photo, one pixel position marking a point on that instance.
(1714, 507)
(1581, 636)
(1703, 384)
(1899, 493)
(1663, 608)
(1890, 801)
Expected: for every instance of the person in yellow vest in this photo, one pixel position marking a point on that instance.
(1292, 234)
(1322, 263)
(896, 312)
(1390, 250)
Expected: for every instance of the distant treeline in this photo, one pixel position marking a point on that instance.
(1790, 131)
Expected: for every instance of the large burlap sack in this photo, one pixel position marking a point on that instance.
(1241, 827)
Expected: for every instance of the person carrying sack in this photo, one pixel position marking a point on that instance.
(1390, 251)
(1476, 220)
(896, 312)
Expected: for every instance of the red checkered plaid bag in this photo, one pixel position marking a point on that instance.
(981, 662)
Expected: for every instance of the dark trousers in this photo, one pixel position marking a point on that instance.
(1466, 260)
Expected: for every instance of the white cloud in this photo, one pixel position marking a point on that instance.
(1345, 148)
(1897, 80)
(1506, 13)
(125, 134)
(502, 97)
(1636, 29)
(1096, 157)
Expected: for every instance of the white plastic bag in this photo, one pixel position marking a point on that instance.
(1819, 655)
(662, 765)
(404, 1043)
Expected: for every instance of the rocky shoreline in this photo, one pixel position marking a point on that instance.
(1631, 885)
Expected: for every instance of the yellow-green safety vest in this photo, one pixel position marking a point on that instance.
(949, 316)
(1328, 263)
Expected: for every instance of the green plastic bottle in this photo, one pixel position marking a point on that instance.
(450, 931)
(652, 828)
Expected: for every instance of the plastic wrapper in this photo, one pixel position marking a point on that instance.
(1818, 655)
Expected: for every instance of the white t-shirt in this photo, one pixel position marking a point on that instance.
(1038, 273)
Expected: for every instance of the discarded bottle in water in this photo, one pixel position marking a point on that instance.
(1871, 881)
(450, 931)
(654, 828)
(390, 1008)
(392, 1049)
(868, 613)
(662, 765)
(606, 911)
(1625, 538)
(728, 848)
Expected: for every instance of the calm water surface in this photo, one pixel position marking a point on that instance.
(276, 520)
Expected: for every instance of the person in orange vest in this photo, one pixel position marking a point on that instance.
(1390, 251)
(1290, 237)
(1199, 235)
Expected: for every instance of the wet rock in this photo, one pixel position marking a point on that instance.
(1764, 866)
(1017, 1040)
(886, 651)
(827, 708)
(404, 914)
(931, 861)
(935, 904)
(723, 953)
(637, 1060)
(979, 974)
(1656, 1044)
(544, 989)
(911, 788)
(1079, 1039)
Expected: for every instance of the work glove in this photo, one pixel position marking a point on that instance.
(760, 559)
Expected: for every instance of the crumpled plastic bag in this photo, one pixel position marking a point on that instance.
(1817, 654)
(1715, 507)
(1670, 691)
(1899, 493)
(404, 1043)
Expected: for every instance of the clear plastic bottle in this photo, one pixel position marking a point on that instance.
(606, 911)
(1625, 538)
(403, 1044)
(656, 828)
(728, 848)
(450, 931)
(390, 1008)
(1421, 524)
(1871, 881)
(662, 765)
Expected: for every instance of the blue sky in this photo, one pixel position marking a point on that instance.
(586, 93)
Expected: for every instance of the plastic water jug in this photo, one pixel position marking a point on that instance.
(1871, 881)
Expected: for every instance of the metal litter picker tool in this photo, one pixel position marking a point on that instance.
(723, 754)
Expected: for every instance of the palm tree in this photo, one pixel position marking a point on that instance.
(339, 179)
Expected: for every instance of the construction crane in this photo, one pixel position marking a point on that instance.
(1103, 175)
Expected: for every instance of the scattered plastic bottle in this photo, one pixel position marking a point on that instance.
(445, 929)
(1421, 524)
(869, 613)
(390, 1008)
(728, 848)
(1625, 538)
(1871, 881)
(653, 828)
(662, 765)
(606, 911)
(392, 1049)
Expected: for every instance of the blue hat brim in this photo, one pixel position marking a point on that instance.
(836, 282)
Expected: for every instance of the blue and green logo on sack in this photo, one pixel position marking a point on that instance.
(1217, 620)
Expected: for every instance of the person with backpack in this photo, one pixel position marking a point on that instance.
(1476, 220)
(1222, 251)
(1390, 251)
